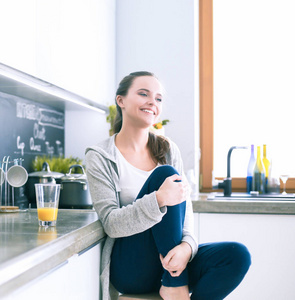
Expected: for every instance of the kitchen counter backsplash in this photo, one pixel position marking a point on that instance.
(29, 129)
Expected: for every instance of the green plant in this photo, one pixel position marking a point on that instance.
(57, 164)
(111, 118)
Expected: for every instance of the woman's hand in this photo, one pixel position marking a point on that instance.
(171, 192)
(176, 259)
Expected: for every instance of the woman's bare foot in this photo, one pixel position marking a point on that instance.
(174, 293)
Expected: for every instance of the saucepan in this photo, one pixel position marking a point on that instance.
(74, 191)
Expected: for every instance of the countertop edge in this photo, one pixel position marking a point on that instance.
(244, 207)
(30, 265)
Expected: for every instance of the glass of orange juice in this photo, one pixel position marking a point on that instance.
(47, 198)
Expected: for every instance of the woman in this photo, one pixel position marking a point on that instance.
(140, 195)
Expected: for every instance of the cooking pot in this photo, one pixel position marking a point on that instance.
(44, 176)
(74, 191)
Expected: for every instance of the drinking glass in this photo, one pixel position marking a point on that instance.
(47, 198)
(284, 179)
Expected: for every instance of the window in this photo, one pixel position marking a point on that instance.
(252, 97)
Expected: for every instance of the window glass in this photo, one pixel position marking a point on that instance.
(254, 90)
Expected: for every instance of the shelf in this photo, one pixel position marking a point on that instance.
(18, 83)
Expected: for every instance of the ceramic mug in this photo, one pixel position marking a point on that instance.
(17, 176)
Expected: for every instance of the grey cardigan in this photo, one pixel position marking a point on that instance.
(103, 178)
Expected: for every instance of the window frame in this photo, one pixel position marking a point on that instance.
(206, 105)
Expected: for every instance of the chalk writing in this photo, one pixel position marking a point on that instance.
(27, 111)
(51, 118)
(20, 146)
(49, 149)
(44, 116)
(34, 147)
(60, 149)
(39, 133)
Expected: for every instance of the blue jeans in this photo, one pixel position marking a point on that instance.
(216, 270)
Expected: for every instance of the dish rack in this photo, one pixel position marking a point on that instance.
(7, 192)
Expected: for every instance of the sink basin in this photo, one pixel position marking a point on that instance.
(245, 197)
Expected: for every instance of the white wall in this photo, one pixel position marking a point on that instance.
(84, 127)
(77, 39)
(160, 36)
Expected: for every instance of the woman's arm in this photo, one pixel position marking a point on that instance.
(176, 259)
(117, 222)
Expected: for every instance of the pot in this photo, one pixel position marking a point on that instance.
(44, 176)
(74, 191)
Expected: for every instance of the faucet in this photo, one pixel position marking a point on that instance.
(226, 183)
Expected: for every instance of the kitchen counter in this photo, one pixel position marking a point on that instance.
(202, 205)
(28, 251)
(266, 228)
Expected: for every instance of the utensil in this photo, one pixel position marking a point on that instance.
(2, 174)
(17, 175)
(74, 190)
(6, 190)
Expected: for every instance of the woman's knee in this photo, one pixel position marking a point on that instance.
(159, 175)
(240, 255)
(156, 179)
(165, 171)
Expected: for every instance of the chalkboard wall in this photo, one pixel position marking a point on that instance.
(28, 129)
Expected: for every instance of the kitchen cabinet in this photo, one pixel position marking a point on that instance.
(62, 54)
(271, 242)
(60, 262)
(76, 279)
(70, 44)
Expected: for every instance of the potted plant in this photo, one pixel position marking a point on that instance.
(158, 128)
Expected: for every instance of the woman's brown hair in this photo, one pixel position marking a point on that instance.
(158, 145)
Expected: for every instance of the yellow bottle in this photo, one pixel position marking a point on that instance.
(258, 183)
(266, 164)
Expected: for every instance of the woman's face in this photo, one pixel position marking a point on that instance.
(142, 105)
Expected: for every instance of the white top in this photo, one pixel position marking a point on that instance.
(131, 180)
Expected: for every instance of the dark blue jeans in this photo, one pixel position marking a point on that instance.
(216, 270)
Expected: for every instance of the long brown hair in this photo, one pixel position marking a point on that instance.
(158, 145)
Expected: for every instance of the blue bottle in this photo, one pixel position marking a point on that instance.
(250, 170)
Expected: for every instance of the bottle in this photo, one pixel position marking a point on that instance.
(250, 170)
(266, 164)
(258, 183)
(273, 184)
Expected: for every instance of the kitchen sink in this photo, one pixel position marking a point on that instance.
(249, 197)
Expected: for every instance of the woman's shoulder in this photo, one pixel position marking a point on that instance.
(172, 146)
(173, 154)
(105, 148)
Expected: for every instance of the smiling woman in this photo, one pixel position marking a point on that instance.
(143, 201)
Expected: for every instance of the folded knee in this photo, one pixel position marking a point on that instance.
(165, 171)
(240, 254)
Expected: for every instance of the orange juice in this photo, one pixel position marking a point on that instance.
(46, 234)
(47, 213)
